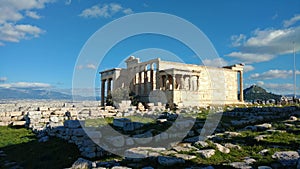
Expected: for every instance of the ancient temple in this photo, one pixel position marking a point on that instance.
(173, 82)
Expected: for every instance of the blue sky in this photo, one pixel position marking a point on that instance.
(40, 40)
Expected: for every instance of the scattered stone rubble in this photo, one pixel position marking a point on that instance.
(65, 121)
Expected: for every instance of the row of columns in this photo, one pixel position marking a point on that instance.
(179, 82)
(107, 88)
(162, 82)
(143, 79)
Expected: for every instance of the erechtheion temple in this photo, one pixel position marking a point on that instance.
(173, 82)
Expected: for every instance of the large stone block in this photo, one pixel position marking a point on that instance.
(143, 138)
(72, 124)
(46, 113)
(206, 153)
(94, 134)
(117, 141)
(95, 113)
(170, 161)
(3, 123)
(16, 113)
(287, 158)
(43, 108)
(59, 113)
(54, 119)
(131, 126)
(222, 148)
(73, 113)
(120, 122)
(33, 113)
(136, 153)
(90, 149)
(5, 119)
(78, 132)
(82, 163)
(19, 123)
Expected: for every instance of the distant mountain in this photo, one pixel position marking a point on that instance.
(28, 93)
(292, 95)
(255, 92)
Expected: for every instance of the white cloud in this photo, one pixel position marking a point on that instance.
(291, 21)
(115, 7)
(14, 33)
(3, 79)
(260, 83)
(95, 12)
(104, 11)
(11, 12)
(32, 14)
(277, 88)
(251, 57)
(25, 85)
(273, 74)
(217, 62)
(237, 40)
(220, 62)
(87, 66)
(127, 11)
(265, 44)
(79, 67)
(7, 14)
(273, 41)
(91, 66)
(248, 68)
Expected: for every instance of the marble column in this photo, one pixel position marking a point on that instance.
(173, 82)
(241, 86)
(163, 77)
(140, 84)
(181, 82)
(191, 82)
(133, 82)
(152, 82)
(158, 80)
(102, 92)
(136, 83)
(198, 83)
(169, 82)
(145, 81)
(109, 87)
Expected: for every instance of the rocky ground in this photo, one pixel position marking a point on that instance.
(256, 137)
(243, 139)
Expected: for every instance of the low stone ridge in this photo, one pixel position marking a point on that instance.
(170, 161)
(143, 152)
(81, 163)
(222, 148)
(207, 153)
(241, 165)
(287, 158)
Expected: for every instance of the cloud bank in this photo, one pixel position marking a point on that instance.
(13, 11)
(105, 11)
(265, 44)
